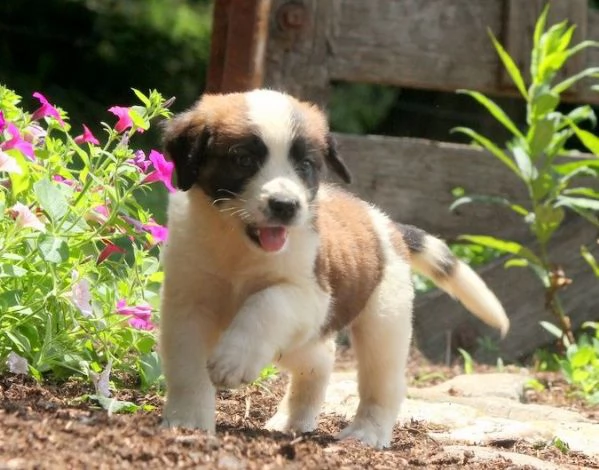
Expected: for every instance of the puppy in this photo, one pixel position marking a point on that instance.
(265, 263)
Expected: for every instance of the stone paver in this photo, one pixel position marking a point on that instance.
(477, 409)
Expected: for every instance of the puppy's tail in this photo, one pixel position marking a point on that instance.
(433, 258)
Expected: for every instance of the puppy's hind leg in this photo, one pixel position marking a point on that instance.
(381, 338)
(310, 367)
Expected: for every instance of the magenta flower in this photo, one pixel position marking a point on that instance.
(140, 315)
(46, 109)
(16, 142)
(163, 171)
(108, 250)
(2, 121)
(140, 161)
(158, 232)
(25, 218)
(9, 164)
(125, 122)
(87, 136)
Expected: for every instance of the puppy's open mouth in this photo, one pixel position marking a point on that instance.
(271, 239)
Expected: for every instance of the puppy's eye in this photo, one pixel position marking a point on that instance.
(244, 159)
(305, 165)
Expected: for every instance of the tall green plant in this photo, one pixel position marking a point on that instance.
(532, 154)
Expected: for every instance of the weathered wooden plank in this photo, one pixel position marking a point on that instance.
(438, 318)
(520, 22)
(429, 44)
(297, 55)
(239, 37)
(432, 44)
(413, 179)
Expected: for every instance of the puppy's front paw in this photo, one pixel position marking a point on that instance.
(188, 418)
(233, 365)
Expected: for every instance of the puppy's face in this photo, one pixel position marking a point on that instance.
(258, 156)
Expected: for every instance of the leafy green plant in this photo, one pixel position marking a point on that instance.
(580, 363)
(79, 270)
(533, 156)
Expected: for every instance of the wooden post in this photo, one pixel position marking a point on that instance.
(239, 37)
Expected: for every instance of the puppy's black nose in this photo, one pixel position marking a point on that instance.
(283, 208)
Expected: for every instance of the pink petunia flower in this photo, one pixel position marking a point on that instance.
(46, 109)
(81, 295)
(17, 364)
(101, 381)
(34, 134)
(9, 164)
(140, 315)
(140, 161)
(163, 171)
(87, 136)
(2, 121)
(108, 250)
(24, 218)
(18, 143)
(63, 180)
(125, 122)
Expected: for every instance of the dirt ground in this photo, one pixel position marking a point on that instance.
(48, 427)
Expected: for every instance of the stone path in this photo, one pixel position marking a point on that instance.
(471, 411)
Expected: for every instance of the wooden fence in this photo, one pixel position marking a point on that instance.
(301, 46)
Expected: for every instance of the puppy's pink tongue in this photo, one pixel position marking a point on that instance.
(272, 238)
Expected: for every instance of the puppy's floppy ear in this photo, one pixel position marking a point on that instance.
(185, 143)
(335, 162)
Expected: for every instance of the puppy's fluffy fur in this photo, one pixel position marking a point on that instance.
(265, 263)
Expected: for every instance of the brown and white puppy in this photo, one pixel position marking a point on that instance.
(265, 263)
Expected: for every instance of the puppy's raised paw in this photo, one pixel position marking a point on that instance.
(231, 366)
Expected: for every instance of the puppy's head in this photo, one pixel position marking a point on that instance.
(259, 156)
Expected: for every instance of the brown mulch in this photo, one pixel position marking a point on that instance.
(49, 426)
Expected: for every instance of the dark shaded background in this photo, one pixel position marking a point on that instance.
(85, 55)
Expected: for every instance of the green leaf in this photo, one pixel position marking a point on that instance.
(589, 140)
(527, 169)
(540, 25)
(568, 82)
(19, 183)
(578, 202)
(547, 221)
(490, 146)
(545, 103)
(510, 66)
(590, 259)
(10, 270)
(540, 136)
(542, 185)
(503, 245)
(137, 119)
(488, 200)
(574, 165)
(551, 328)
(582, 357)
(495, 111)
(112, 405)
(151, 370)
(51, 199)
(587, 192)
(54, 250)
(143, 98)
(516, 263)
